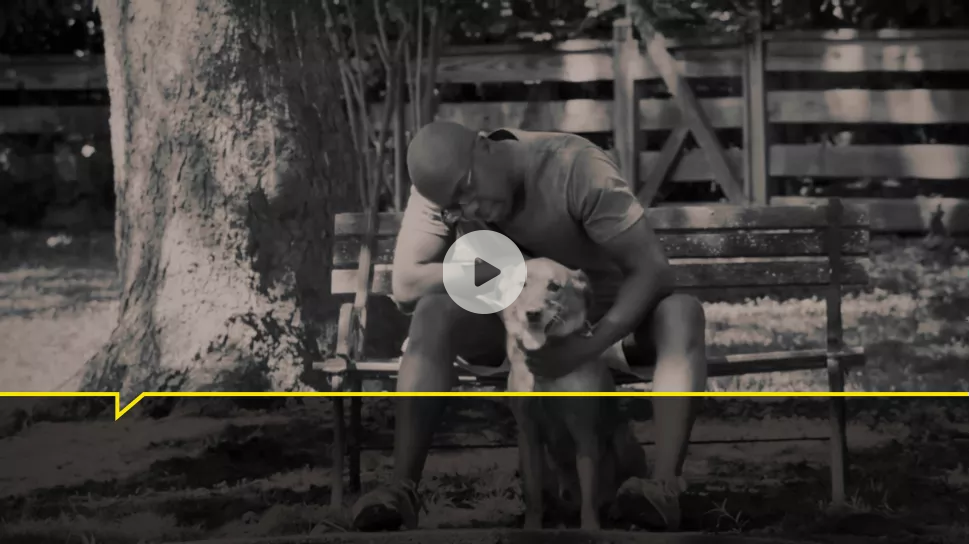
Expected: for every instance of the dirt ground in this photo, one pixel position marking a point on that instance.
(208, 468)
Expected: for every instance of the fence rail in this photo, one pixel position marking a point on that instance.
(758, 112)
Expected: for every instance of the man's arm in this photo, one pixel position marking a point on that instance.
(647, 279)
(419, 253)
(418, 269)
(614, 218)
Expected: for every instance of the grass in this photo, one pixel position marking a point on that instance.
(261, 467)
(58, 305)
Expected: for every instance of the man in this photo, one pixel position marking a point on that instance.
(557, 196)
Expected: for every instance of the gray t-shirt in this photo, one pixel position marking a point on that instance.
(574, 199)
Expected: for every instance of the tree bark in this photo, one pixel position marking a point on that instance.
(227, 139)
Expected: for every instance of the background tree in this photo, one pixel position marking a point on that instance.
(226, 125)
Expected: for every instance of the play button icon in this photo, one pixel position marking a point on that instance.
(484, 272)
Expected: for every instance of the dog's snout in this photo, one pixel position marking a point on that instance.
(533, 316)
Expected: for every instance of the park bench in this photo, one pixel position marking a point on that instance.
(718, 252)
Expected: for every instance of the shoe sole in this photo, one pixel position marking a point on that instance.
(640, 511)
(378, 518)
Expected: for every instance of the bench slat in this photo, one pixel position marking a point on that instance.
(672, 218)
(688, 245)
(718, 366)
(690, 273)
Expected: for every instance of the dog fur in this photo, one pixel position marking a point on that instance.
(569, 447)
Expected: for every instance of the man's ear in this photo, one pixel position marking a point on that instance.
(580, 281)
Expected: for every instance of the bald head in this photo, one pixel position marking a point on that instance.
(438, 158)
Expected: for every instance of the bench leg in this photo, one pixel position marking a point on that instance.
(839, 439)
(339, 450)
(353, 450)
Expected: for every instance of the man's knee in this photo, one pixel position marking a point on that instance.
(678, 330)
(682, 309)
(679, 318)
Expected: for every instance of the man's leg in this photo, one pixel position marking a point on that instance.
(677, 331)
(673, 340)
(439, 331)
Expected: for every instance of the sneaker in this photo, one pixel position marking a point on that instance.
(653, 505)
(387, 508)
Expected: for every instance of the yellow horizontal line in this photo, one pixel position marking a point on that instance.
(119, 411)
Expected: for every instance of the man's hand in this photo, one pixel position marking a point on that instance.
(560, 356)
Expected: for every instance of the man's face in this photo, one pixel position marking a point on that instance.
(485, 193)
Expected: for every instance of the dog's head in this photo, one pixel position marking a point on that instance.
(553, 302)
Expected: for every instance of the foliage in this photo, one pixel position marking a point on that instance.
(700, 18)
(868, 14)
(396, 44)
(62, 27)
(65, 26)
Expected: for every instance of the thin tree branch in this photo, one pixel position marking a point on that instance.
(436, 36)
(383, 47)
(417, 97)
(359, 83)
(346, 81)
(409, 70)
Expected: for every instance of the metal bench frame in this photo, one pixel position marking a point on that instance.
(831, 241)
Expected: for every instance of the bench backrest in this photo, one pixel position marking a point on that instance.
(714, 249)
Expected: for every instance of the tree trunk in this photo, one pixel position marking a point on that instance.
(226, 134)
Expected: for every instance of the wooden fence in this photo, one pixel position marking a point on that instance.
(759, 111)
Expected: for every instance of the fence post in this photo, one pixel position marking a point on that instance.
(756, 130)
(625, 101)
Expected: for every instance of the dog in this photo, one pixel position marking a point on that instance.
(568, 446)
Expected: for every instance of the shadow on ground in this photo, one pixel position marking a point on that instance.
(210, 468)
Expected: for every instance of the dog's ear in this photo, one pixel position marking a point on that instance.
(516, 276)
(580, 281)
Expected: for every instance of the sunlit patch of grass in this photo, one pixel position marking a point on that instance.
(913, 322)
